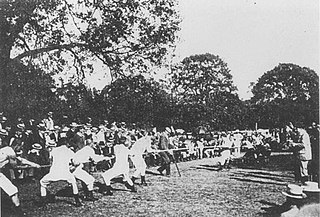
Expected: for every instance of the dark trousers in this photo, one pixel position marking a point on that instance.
(165, 164)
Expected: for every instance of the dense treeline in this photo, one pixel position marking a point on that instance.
(147, 102)
(46, 39)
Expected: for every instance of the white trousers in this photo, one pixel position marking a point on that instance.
(84, 176)
(7, 185)
(47, 179)
(140, 165)
(115, 171)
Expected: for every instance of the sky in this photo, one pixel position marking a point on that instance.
(251, 36)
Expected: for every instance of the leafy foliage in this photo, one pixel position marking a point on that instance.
(116, 32)
(65, 36)
(205, 93)
(135, 99)
(287, 93)
(31, 92)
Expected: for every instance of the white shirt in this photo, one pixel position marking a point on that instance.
(122, 153)
(85, 154)
(141, 145)
(61, 157)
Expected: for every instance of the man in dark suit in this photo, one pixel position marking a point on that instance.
(164, 144)
(78, 140)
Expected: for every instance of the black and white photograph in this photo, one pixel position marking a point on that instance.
(159, 108)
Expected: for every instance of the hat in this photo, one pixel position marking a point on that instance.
(3, 118)
(56, 128)
(294, 191)
(3, 132)
(88, 125)
(21, 126)
(168, 129)
(311, 187)
(50, 113)
(37, 146)
(65, 129)
(19, 152)
(74, 124)
(41, 126)
(51, 143)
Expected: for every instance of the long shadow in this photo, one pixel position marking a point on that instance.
(117, 180)
(261, 176)
(257, 181)
(271, 174)
(206, 168)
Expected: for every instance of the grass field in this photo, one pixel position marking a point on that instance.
(200, 191)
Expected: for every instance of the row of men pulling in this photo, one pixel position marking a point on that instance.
(69, 166)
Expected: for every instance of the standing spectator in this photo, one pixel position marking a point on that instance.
(3, 135)
(78, 140)
(301, 147)
(165, 155)
(48, 121)
(3, 120)
(200, 147)
(72, 131)
(314, 139)
(237, 142)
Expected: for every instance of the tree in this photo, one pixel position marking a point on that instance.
(58, 35)
(135, 99)
(203, 87)
(74, 102)
(286, 93)
(31, 93)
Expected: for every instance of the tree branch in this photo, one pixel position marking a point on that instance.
(49, 48)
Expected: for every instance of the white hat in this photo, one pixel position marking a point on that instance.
(294, 191)
(74, 124)
(37, 146)
(311, 187)
(3, 132)
(168, 129)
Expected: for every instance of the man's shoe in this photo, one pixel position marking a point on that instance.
(77, 200)
(143, 181)
(133, 179)
(108, 191)
(133, 189)
(90, 197)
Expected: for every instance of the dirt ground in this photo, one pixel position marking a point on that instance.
(200, 191)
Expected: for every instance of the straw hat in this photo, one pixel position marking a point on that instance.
(3, 132)
(294, 191)
(37, 146)
(311, 187)
(74, 124)
(51, 144)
